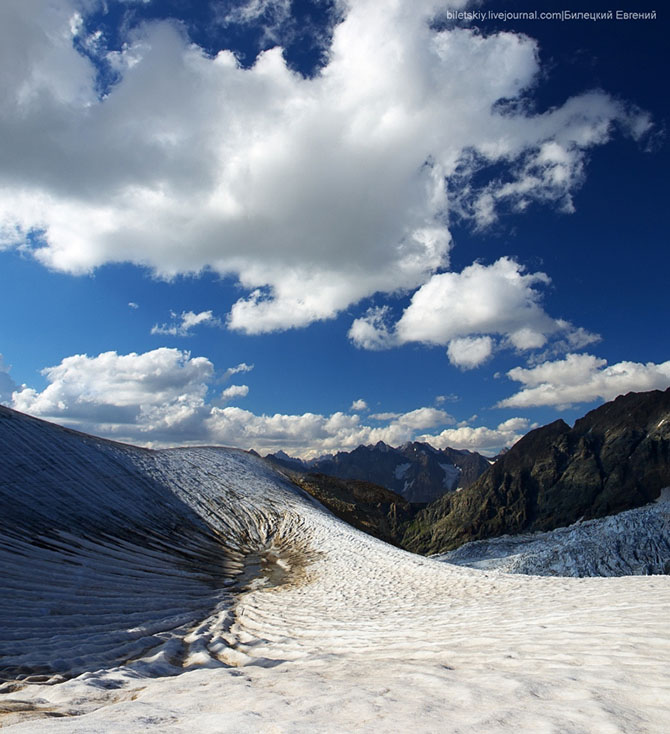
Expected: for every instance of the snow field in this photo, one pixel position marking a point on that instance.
(306, 625)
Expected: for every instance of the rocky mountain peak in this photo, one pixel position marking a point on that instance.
(416, 471)
(615, 458)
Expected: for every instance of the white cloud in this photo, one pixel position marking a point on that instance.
(579, 337)
(441, 399)
(424, 418)
(480, 438)
(468, 352)
(569, 338)
(133, 305)
(372, 330)
(314, 193)
(254, 10)
(235, 391)
(550, 170)
(528, 338)
(359, 405)
(494, 299)
(240, 368)
(183, 324)
(463, 309)
(582, 378)
(312, 434)
(7, 384)
(161, 392)
(386, 416)
(161, 398)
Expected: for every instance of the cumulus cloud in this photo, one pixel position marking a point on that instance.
(441, 399)
(184, 323)
(312, 434)
(495, 299)
(160, 398)
(385, 416)
(548, 171)
(527, 338)
(480, 438)
(582, 378)
(372, 331)
(423, 418)
(161, 392)
(235, 391)
(463, 309)
(359, 405)
(469, 352)
(568, 340)
(192, 162)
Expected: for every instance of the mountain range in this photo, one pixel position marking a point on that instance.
(615, 458)
(416, 471)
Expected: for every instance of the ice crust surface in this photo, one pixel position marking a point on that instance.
(635, 542)
(196, 590)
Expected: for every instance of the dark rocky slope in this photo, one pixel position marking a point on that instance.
(615, 458)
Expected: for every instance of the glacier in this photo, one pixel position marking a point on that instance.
(198, 590)
(635, 542)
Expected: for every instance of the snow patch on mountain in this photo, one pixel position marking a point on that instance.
(123, 550)
(451, 475)
(401, 470)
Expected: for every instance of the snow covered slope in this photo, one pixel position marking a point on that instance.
(636, 542)
(195, 590)
(108, 550)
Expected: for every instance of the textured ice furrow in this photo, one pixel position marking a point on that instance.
(108, 551)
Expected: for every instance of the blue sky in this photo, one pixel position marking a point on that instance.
(310, 225)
